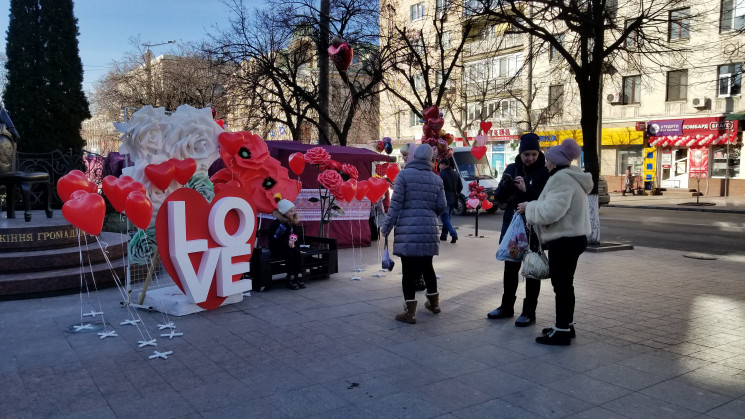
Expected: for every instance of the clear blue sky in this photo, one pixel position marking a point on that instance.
(106, 27)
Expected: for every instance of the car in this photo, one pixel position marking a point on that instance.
(603, 196)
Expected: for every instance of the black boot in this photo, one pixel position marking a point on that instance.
(506, 310)
(300, 282)
(560, 337)
(572, 333)
(527, 317)
(292, 283)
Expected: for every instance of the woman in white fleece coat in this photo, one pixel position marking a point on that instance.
(562, 218)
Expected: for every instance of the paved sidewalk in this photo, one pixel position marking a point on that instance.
(658, 335)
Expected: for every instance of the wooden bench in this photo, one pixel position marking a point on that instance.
(318, 260)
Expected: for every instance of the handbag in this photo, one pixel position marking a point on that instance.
(387, 262)
(514, 244)
(535, 264)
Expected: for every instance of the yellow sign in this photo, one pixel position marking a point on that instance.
(650, 164)
(610, 136)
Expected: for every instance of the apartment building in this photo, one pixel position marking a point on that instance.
(674, 117)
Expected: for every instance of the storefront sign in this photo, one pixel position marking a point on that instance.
(699, 162)
(692, 133)
(641, 126)
(666, 159)
(660, 128)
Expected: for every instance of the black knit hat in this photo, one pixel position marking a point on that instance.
(529, 141)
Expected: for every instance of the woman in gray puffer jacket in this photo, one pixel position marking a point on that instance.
(418, 199)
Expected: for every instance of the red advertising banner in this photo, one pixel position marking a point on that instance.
(698, 166)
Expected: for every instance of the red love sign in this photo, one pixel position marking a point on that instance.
(161, 174)
(392, 171)
(297, 163)
(377, 188)
(362, 187)
(486, 204)
(485, 127)
(478, 151)
(184, 170)
(139, 209)
(71, 182)
(85, 212)
(212, 243)
(348, 191)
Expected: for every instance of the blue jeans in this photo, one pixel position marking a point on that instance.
(447, 226)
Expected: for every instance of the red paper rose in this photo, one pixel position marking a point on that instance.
(249, 151)
(317, 155)
(350, 170)
(331, 165)
(332, 181)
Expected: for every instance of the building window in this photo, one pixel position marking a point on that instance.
(438, 79)
(417, 11)
(632, 87)
(442, 6)
(553, 53)
(414, 119)
(447, 37)
(677, 85)
(418, 82)
(632, 41)
(732, 15)
(730, 79)
(555, 100)
(725, 162)
(680, 22)
(508, 109)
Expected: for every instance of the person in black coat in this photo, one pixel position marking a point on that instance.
(283, 241)
(522, 181)
(453, 185)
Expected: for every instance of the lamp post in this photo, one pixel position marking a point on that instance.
(148, 68)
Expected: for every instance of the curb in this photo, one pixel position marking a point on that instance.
(680, 208)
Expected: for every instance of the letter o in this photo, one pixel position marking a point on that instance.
(217, 221)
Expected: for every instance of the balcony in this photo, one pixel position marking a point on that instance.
(491, 44)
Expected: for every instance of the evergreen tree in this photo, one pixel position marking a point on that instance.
(45, 75)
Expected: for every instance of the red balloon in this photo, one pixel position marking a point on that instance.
(485, 127)
(132, 187)
(79, 194)
(297, 163)
(478, 151)
(161, 174)
(86, 212)
(392, 171)
(362, 187)
(92, 187)
(348, 191)
(378, 187)
(184, 170)
(139, 209)
(485, 204)
(71, 182)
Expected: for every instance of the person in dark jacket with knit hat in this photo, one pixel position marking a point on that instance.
(284, 241)
(522, 181)
(561, 216)
(418, 199)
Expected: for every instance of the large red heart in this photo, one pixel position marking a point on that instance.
(362, 187)
(297, 163)
(184, 169)
(348, 190)
(231, 141)
(392, 171)
(478, 151)
(86, 212)
(139, 209)
(161, 174)
(486, 204)
(436, 125)
(485, 127)
(341, 56)
(377, 188)
(71, 182)
(197, 211)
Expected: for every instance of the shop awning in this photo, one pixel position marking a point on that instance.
(610, 136)
(735, 116)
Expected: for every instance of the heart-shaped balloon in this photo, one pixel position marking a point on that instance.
(486, 204)
(377, 188)
(297, 163)
(431, 113)
(472, 203)
(485, 127)
(436, 124)
(139, 209)
(128, 188)
(71, 182)
(184, 170)
(231, 141)
(197, 211)
(161, 174)
(86, 212)
(341, 55)
(478, 151)
(113, 188)
(362, 187)
(348, 191)
(481, 139)
(392, 171)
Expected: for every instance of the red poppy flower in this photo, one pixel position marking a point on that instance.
(269, 179)
(317, 155)
(242, 150)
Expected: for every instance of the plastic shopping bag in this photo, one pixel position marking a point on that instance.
(514, 244)
(387, 261)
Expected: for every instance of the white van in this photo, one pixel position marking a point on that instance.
(471, 169)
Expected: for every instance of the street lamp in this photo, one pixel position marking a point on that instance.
(148, 67)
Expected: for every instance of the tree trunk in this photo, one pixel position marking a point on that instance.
(589, 92)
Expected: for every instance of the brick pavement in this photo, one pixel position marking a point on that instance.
(658, 335)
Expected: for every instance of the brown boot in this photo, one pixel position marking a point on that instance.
(433, 302)
(409, 311)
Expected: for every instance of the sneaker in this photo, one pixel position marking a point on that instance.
(498, 313)
(559, 337)
(444, 238)
(455, 239)
(572, 333)
(524, 320)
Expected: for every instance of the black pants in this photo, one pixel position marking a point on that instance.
(414, 268)
(511, 279)
(291, 255)
(563, 255)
